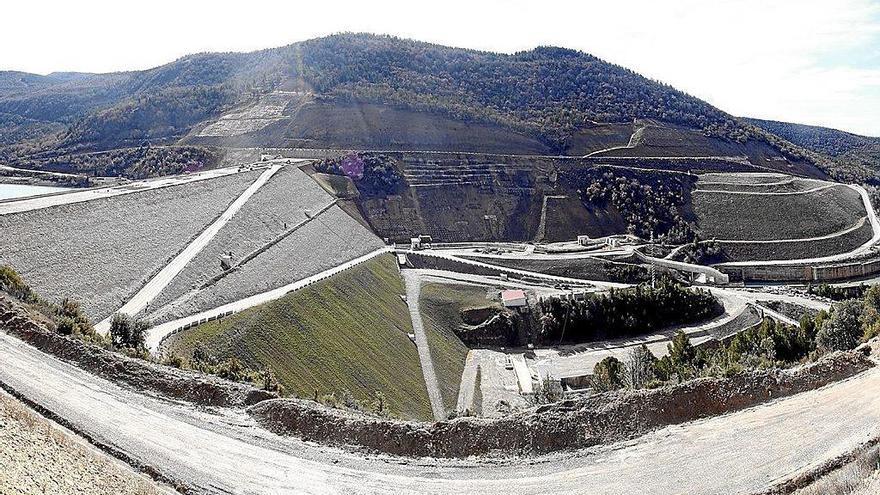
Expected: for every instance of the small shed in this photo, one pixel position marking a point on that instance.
(513, 298)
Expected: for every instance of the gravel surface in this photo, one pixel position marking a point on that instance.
(37, 457)
(282, 200)
(413, 291)
(101, 252)
(223, 451)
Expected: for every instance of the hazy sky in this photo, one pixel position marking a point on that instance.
(809, 61)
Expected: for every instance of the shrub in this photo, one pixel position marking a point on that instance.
(772, 341)
(623, 312)
(843, 330)
(608, 374)
(650, 210)
(639, 367)
(374, 175)
(549, 391)
(127, 332)
(681, 361)
(12, 283)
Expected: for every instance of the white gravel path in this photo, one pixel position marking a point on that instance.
(413, 292)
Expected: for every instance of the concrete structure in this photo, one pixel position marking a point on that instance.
(795, 272)
(420, 242)
(700, 273)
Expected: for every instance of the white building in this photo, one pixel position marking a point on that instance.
(513, 298)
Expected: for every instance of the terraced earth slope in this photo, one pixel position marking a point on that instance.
(101, 252)
(763, 212)
(764, 217)
(346, 333)
(652, 138)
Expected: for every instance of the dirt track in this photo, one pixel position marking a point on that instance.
(413, 290)
(214, 452)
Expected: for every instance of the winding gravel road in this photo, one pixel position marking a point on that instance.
(210, 451)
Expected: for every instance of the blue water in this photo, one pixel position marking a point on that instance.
(10, 191)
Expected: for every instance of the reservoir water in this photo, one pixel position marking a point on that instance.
(14, 191)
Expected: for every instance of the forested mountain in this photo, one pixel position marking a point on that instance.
(542, 100)
(843, 146)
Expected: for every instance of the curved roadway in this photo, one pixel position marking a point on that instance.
(211, 451)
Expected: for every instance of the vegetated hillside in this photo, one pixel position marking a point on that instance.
(344, 334)
(101, 252)
(848, 149)
(368, 91)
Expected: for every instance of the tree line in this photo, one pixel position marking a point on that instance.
(623, 312)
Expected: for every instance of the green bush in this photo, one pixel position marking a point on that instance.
(624, 312)
(127, 332)
(843, 330)
(608, 374)
(650, 209)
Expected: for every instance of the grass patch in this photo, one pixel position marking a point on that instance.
(441, 306)
(346, 333)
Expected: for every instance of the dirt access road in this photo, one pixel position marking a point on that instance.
(413, 282)
(224, 452)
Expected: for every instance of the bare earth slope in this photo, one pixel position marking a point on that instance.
(37, 456)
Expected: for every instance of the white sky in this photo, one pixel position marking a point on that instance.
(809, 61)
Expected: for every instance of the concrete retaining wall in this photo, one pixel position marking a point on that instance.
(802, 273)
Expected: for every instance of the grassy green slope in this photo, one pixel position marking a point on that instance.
(441, 305)
(348, 332)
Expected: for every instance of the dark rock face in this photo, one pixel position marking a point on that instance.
(180, 384)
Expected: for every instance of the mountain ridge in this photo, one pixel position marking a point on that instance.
(549, 96)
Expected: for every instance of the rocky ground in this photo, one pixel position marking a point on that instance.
(38, 456)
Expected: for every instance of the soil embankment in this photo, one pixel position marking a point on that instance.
(569, 424)
(180, 384)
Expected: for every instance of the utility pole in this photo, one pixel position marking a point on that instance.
(567, 313)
